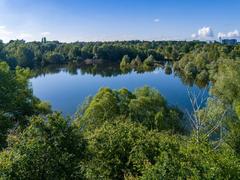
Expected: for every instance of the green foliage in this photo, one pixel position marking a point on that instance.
(233, 129)
(120, 134)
(237, 108)
(17, 101)
(149, 61)
(203, 76)
(168, 69)
(233, 136)
(54, 58)
(125, 61)
(50, 52)
(5, 125)
(103, 107)
(25, 57)
(145, 106)
(123, 148)
(150, 109)
(37, 53)
(227, 82)
(136, 62)
(211, 116)
(49, 148)
(124, 98)
(190, 70)
(43, 107)
(74, 53)
(194, 161)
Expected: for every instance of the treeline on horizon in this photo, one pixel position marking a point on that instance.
(118, 134)
(32, 54)
(191, 60)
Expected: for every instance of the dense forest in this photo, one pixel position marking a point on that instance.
(119, 134)
(35, 54)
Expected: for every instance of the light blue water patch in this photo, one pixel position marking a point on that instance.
(66, 92)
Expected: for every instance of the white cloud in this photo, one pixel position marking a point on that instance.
(4, 31)
(204, 32)
(194, 35)
(25, 36)
(45, 33)
(5, 34)
(220, 34)
(156, 20)
(231, 34)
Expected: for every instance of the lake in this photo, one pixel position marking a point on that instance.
(67, 88)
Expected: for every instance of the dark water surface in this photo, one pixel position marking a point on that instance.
(66, 90)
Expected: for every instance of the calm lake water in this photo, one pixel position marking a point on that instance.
(66, 90)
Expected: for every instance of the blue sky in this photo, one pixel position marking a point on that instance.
(94, 20)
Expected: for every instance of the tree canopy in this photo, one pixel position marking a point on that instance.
(121, 134)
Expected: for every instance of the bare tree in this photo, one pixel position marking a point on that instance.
(206, 121)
